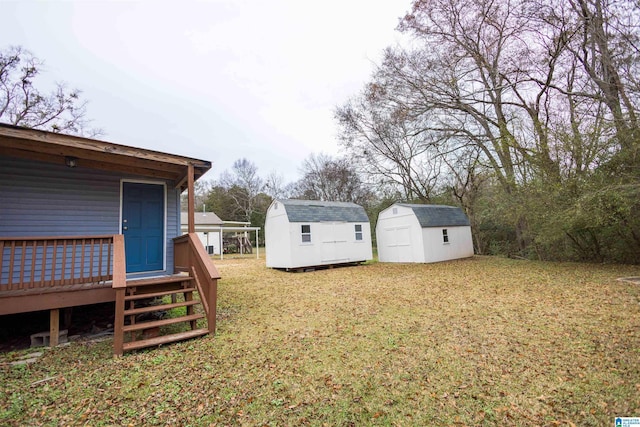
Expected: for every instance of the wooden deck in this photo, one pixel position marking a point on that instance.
(44, 273)
(27, 300)
(52, 273)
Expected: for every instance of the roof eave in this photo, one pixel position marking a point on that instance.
(34, 144)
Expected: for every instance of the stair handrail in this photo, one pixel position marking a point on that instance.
(205, 274)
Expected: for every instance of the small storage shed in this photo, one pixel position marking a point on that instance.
(309, 233)
(423, 233)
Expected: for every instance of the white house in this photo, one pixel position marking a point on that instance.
(308, 233)
(207, 225)
(423, 233)
(210, 229)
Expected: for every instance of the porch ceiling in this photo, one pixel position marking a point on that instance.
(52, 147)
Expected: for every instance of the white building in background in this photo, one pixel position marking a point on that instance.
(210, 229)
(309, 233)
(423, 233)
(208, 226)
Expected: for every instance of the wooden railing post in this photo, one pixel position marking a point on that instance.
(120, 286)
(212, 300)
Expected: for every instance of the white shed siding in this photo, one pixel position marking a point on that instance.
(399, 236)
(299, 253)
(338, 242)
(460, 244)
(278, 237)
(332, 242)
(394, 244)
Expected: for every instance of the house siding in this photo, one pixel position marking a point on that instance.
(173, 223)
(42, 199)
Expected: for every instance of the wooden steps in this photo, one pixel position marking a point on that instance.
(161, 307)
(142, 319)
(163, 322)
(176, 278)
(156, 294)
(165, 339)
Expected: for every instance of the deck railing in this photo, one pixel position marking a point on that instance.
(46, 262)
(191, 257)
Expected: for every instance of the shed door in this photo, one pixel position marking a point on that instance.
(143, 226)
(399, 243)
(334, 243)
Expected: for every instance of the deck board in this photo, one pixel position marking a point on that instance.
(27, 299)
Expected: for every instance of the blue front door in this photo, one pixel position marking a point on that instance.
(143, 226)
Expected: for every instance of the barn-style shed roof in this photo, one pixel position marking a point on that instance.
(438, 215)
(317, 211)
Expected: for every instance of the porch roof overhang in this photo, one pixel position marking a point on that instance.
(34, 144)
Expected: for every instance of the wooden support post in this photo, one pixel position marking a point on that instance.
(212, 297)
(191, 199)
(54, 327)
(120, 286)
(118, 323)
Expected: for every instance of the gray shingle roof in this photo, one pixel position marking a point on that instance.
(201, 218)
(316, 211)
(438, 215)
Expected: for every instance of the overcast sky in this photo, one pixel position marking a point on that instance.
(217, 80)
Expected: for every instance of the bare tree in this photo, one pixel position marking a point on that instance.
(604, 44)
(535, 91)
(329, 179)
(202, 189)
(243, 186)
(22, 104)
(275, 187)
(388, 144)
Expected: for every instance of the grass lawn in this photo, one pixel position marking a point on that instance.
(482, 341)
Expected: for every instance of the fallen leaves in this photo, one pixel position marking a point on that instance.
(485, 341)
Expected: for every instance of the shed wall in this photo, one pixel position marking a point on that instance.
(277, 237)
(331, 243)
(399, 236)
(460, 244)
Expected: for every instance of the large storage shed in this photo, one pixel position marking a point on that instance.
(308, 233)
(423, 233)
